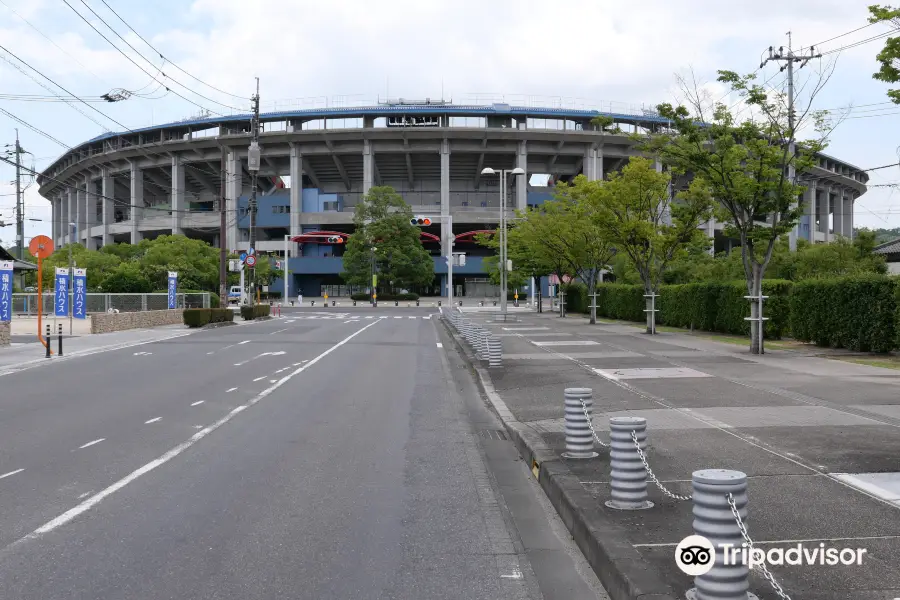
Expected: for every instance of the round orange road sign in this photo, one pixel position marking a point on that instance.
(41, 246)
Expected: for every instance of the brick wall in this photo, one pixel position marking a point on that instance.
(106, 323)
(4, 333)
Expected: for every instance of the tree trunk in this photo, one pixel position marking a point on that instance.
(756, 291)
(649, 305)
(592, 288)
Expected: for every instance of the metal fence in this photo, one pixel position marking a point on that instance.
(27, 304)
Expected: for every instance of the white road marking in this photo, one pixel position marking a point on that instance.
(260, 356)
(272, 380)
(516, 574)
(398, 317)
(385, 317)
(280, 370)
(98, 497)
(440, 345)
(91, 443)
(230, 390)
(198, 402)
(11, 473)
(80, 496)
(350, 321)
(142, 353)
(370, 317)
(258, 378)
(152, 420)
(279, 331)
(244, 342)
(412, 317)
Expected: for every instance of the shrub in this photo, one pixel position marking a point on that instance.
(365, 297)
(577, 298)
(857, 312)
(255, 311)
(620, 301)
(196, 317)
(713, 306)
(220, 315)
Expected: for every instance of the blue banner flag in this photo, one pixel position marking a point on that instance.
(173, 288)
(79, 298)
(6, 288)
(62, 292)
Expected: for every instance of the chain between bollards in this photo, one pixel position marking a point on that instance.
(740, 523)
(650, 473)
(591, 425)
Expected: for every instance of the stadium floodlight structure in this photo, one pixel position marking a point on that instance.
(503, 173)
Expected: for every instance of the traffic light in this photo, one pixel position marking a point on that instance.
(420, 221)
(335, 239)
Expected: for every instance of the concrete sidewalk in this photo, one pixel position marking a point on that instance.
(818, 438)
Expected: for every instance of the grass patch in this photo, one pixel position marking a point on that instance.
(888, 362)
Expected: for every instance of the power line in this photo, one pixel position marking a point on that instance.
(119, 50)
(166, 59)
(34, 129)
(842, 35)
(861, 42)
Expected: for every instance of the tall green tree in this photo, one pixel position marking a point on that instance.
(383, 231)
(565, 231)
(636, 212)
(744, 164)
(889, 57)
(196, 262)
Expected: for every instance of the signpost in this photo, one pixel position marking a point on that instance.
(173, 289)
(79, 300)
(41, 247)
(251, 261)
(6, 288)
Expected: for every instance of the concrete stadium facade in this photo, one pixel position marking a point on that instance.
(124, 187)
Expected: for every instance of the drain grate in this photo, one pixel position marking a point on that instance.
(493, 434)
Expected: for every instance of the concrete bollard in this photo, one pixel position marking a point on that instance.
(332, 302)
(439, 302)
(47, 339)
(714, 520)
(312, 302)
(579, 439)
(628, 475)
(483, 344)
(396, 303)
(495, 352)
(60, 338)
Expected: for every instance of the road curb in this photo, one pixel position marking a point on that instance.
(604, 543)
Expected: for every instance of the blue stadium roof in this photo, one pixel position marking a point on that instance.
(398, 109)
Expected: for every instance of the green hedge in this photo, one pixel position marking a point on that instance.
(858, 313)
(620, 301)
(221, 315)
(196, 317)
(717, 307)
(255, 311)
(365, 297)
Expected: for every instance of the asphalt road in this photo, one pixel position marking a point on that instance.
(313, 456)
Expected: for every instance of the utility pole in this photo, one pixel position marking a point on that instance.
(790, 58)
(223, 274)
(253, 163)
(20, 212)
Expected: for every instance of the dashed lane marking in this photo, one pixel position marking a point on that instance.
(197, 403)
(259, 378)
(91, 443)
(439, 345)
(152, 420)
(228, 391)
(11, 473)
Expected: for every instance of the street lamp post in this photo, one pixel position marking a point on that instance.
(503, 173)
(287, 270)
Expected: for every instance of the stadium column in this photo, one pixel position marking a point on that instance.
(850, 202)
(54, 219)
(90, 213)
(71, 206)
(177, 194)
(809, 201)
(590, 163)
(368, 166)
(137, 202)
(233, 187)
(108, 190)
(824, 210)
(522, 180)
(296, 169)
(839, 211)
(446, 230)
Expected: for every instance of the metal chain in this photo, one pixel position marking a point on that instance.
(746, 536)
(650, 473)
(591, 424)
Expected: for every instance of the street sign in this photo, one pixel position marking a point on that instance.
(243, 256)
(252, 252)
(251, 261)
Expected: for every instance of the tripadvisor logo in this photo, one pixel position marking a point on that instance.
(695, 555)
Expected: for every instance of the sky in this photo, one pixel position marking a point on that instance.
(601, 52)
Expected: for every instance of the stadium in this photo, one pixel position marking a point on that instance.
(318, 162)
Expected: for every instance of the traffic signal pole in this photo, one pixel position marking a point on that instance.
(253, 164)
